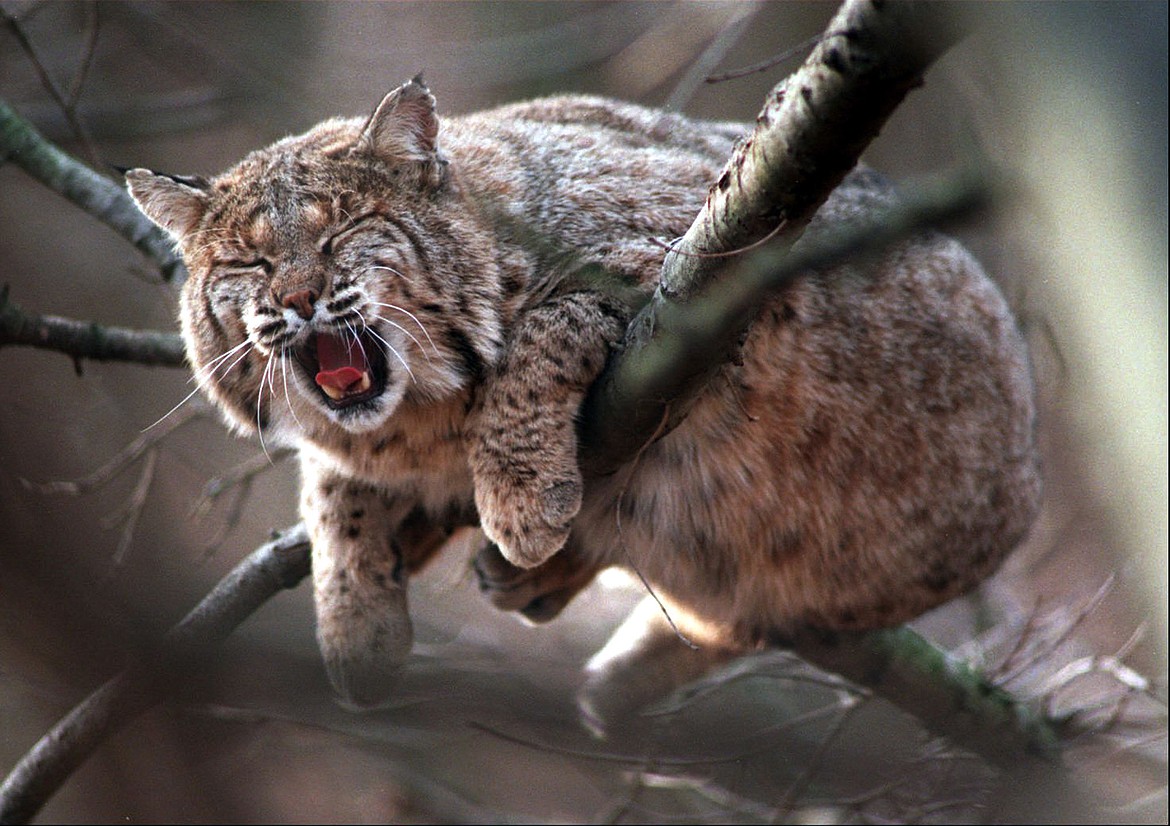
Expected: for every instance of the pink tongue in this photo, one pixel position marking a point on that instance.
(342, 362)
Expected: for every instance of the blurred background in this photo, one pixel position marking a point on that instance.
(1068, 99)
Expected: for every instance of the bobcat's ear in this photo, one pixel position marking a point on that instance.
(174, 203)
(404, 127)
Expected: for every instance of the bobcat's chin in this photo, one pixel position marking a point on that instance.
(367, 414)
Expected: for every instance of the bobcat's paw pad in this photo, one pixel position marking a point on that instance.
(529, 523)
(531, 592)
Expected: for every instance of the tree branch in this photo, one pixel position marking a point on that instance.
(86, 339)
(686, 343)
(105, 200)
(941, 691)
(809, 135)
(275, 566)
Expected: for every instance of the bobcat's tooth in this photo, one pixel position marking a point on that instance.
(364, 384)
(335, 393)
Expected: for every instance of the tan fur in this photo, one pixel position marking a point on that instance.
(870, 456)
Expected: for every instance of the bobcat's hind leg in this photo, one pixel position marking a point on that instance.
(644, 660)
(538, 594)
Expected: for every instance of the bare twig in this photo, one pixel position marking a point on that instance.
(22, 144)
(120, 460)
(750, 668)
(279, 564)
(1025, 639)
(726, 37)
(1041, 647)
(93, 24)
(66, 105)
(242, 473)
(238, 479)
(131, 510)
(765, 745)
(899, 792)
(765, 65)
(849, 704)
(86, 339)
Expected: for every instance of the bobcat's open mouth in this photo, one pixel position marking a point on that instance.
(348, 369)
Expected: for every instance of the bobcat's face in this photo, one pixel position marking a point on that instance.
(317, 288)
(312, 296)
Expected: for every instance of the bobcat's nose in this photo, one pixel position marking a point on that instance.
(299, 300)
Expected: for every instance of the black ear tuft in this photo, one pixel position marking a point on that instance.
(174, 202)
(193, 181)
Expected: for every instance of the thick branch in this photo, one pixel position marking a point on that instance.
(86, 339)
(280, 564)
(22, 144)
(690, 342)
(811, 132)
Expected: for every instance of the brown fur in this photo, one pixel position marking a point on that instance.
(871, 456)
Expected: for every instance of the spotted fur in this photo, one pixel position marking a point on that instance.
(870, 456)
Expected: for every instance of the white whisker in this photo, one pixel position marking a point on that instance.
(270, 371)
(265, 376)
(405, 331)
(358, 339)
(399, 273)
(218, 360)
(163, 417)
(242, 356)
(397, 355)
(213, 365)
(284, 380)
(412, 317)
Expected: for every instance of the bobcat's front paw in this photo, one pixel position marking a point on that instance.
(538, 594)
(365, 636)
(529, 520)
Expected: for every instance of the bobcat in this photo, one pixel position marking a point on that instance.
(417, 308)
